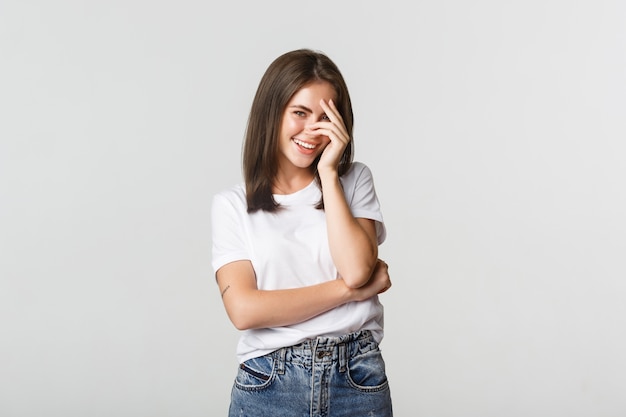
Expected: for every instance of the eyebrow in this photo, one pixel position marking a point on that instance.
(300, 106)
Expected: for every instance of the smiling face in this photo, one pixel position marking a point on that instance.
(297, 148)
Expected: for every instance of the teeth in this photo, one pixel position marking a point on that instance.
(304, 145)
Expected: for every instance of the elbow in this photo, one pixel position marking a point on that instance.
(357, 274)
(241, 310)
(353, 285)
(241, 322)
(358, 278)
(243, 319)
(241, 325)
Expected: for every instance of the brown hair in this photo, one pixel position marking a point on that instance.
(285, 76)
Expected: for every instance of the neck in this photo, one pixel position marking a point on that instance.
(284, 184)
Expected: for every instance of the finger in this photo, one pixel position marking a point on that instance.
(328, 128)
(331, 111)
(332, 105)
(334, 117)
(335, 137)
(385, 289)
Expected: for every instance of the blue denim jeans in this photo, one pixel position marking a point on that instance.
(322, 377)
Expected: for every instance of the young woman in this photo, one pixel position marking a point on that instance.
(295, 250)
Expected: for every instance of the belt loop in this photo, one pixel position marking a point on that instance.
(343, 361)
(280, 361)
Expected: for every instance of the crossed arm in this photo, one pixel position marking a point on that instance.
(354, 250)
(250, 308)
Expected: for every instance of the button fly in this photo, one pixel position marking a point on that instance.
(321, 354)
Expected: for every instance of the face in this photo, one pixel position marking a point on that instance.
(298, 148)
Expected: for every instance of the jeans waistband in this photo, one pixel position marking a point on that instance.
(326, 349)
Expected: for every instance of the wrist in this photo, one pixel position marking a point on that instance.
(328, 175)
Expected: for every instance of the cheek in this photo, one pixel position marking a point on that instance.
(292, 125)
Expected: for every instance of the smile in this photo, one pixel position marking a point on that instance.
(304, 144)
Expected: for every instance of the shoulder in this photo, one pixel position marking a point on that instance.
(357, 168)
(234, 196)
(358, 172)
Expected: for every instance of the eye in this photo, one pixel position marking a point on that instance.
(325, 117)
(299, 113)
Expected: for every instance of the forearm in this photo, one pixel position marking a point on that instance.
(251, 308)
(354, 249)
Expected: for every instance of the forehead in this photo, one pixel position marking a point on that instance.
(314, 92)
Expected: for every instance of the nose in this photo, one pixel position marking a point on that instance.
(310, 133)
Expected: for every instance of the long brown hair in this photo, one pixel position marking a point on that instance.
(285, 76)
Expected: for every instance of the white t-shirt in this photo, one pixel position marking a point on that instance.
(289, 249)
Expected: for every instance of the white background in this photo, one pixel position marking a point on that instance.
(495, 132)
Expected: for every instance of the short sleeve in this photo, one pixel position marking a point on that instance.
(358, 184)
(227, 228)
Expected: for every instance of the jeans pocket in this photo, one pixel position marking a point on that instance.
(255, 373)
(366, 372)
